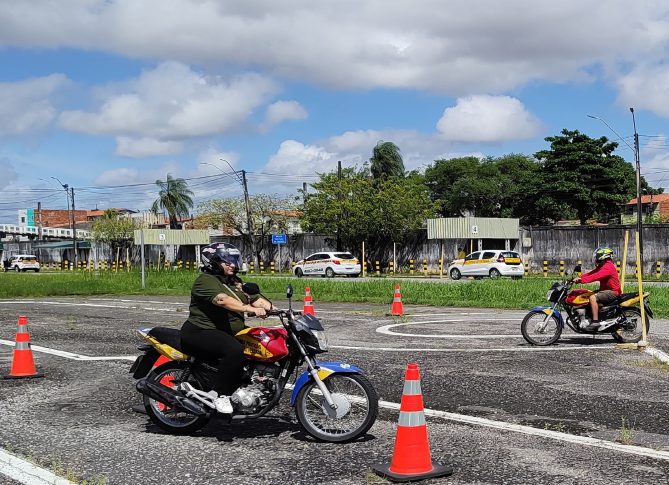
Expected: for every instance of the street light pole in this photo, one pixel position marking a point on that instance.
(635, 150)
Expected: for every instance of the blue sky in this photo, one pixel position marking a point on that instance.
(110, 95)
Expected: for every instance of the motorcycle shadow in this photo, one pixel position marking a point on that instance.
(586, 339)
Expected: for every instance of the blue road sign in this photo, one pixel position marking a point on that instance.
(279, 239)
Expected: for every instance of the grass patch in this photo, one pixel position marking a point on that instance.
(626, 431)
(651, 364)
(503, 293)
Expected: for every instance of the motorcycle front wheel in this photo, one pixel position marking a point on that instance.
(540, 329)
(630, 330)
(357, 408)
(174, 420)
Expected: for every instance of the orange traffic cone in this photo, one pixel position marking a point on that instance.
(308, 303)
(411, 458)
(23, 365)
(396, 309)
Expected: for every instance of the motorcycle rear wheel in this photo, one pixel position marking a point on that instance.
(357, 401)
(535, 332)
(173, 420)
(632, 334)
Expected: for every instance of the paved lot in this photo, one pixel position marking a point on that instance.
(499, 411)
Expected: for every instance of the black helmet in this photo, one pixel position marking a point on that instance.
(217, 253)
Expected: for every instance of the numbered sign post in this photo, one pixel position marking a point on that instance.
(279, 239)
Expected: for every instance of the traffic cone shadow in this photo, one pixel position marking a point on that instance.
(411, 459)
(308, 303)
(397, 309)
(23, 364)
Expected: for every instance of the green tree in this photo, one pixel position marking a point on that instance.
(174, 197)
(358, 209)
(490, 187)
(269, 214)
(582, 174)
(115, 230)
(386, 161)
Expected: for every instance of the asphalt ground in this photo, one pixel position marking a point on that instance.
(498, 410)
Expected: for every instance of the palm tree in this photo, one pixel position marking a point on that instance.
(386, 161)
(174, 197)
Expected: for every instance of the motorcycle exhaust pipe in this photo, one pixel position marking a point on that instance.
(169, 396)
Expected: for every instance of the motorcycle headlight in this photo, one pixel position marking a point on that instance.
(321, 338)
(549, 294)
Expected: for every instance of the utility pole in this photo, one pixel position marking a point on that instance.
(74, 230)
(249, 221)
(39, 221)
(639, 206)
(340, 206)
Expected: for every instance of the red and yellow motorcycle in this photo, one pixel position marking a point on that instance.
(333, 401)
(543, 325)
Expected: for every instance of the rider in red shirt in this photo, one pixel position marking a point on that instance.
(609, 283)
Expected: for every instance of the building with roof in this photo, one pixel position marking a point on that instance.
(656, 206)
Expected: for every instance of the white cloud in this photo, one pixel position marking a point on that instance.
(145, 147)
(294, 157)
(484, 118)
(646, 87)
(27, 105)
(174, 102)
(460, 48)
(283, 111)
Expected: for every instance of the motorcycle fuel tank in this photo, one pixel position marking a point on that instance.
(263, 344)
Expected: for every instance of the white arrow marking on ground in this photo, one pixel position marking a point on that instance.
(70, 355)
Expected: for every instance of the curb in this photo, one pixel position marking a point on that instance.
(658, 354)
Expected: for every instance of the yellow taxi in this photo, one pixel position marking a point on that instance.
(490, 262)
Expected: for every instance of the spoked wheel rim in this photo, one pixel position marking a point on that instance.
(173, 417)
(541, 328)
(631, 331)
(353, 407)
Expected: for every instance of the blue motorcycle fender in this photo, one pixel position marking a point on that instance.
(547, 311)
(325, 370)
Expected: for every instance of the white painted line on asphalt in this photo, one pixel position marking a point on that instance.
(94, 305)
(27, 473)
(529, 430)
(70, 355)
(552, 348)
(658, 354)
(386, 329)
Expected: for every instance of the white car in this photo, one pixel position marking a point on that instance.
(491, 262)
(24, 262)
(328, 264)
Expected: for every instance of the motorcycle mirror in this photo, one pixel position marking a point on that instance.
(577, 268)
(251, 288)
(289, 292)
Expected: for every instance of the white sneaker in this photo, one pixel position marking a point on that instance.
(223, 405)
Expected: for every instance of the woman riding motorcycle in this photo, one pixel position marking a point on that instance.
(609, 284)
(216, 314)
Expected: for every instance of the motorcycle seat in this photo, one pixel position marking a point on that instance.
(625, 297)
(169, 336)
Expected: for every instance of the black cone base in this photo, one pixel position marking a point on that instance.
(437, 471)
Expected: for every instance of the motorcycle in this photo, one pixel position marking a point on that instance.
(543, 325)
(333, 401)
